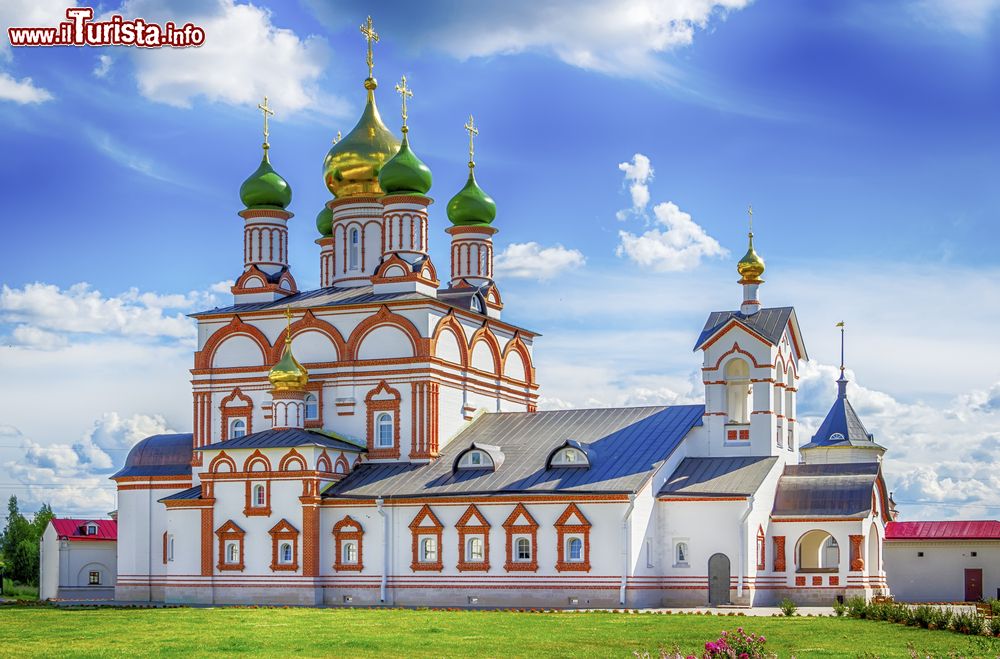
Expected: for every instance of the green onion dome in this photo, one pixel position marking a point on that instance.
(324, 222)
(265, 188)
(471, 206)
(405, 173)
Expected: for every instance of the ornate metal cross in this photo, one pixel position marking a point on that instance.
(404, 92)
(263, 107)
(470, 126)
(372, 36)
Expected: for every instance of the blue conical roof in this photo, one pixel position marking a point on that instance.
(842, 426)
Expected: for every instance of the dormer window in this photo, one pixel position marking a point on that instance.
(90, 529)
(570, 454)
(837, 436)
(480, 456)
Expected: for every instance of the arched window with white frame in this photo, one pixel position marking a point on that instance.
(237, 428)
(285, 553)
(312, 407)
(522, 550)
(354, 250)
(681, 553)
(232, 552)
(350, 552)
(574, 550)
(474, 550)
(428, 550)
(259, 496)
(738, 391)
(384, 430)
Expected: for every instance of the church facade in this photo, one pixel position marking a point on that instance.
(377, 440)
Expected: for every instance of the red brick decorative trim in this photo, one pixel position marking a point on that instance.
(256, 458)
(418, 531)
(373, 407)
(292, 461)
(800, 581)
(424, 397)
(344, 530)
(207, 515)
(449, 322)
(473, 523)
(249, 507)
(164, 547)
(572, 523)
(203, 358)
(310, 531)
(283, 531)
(309, 322)
(230, 531)
(779, 553)
(528, 526)
(215, 466)
(834, 581)
(857, 562)
(386, 317)
(761, 549)
(229, 411)
(517, 345)
(485, 333)
(323, 463)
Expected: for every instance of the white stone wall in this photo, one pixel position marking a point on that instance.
(939, 575)
(66, 565)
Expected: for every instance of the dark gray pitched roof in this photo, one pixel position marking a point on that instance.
(826, 490)
(321, 297)
(159, 455)
(708, 477)
(288, 438)
(628, 444)
(768, 323)
(190, 493)
(842, 427)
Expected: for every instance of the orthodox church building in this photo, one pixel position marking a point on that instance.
(377, 440)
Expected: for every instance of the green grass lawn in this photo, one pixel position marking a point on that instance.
(43, 631)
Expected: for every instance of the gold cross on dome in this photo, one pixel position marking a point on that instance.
(372, 36)
(750, 214)
(263, 107)
(337, 138)
(404, 91)
(288, 323)
(470, 126)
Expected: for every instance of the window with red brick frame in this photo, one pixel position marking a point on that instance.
(473, 541)
(230, 547)
(573, 528)
(382, 403)
(284, 536)
(761, 549)
(426, 530)
(521, 528)
(347, 533)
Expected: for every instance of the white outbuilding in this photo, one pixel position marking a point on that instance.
(78, 559)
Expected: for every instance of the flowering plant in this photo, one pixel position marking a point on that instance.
(737, 645)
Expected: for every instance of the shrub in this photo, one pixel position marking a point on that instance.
(923, 616)
(897, 612)
(994, 626)
(839, 609)
(857, 607)
(788, 607)
(737, 644)
(967, 623)
(940, 618)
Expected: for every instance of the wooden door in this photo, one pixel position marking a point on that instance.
(973, 584)
(718, 579)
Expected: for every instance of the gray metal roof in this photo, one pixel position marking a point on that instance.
(628, 444)
(321, 297)
(159, 455)
(190, 493)
(288, 438)
(769, 323)
(826, 490)
(708, 477)
(842, 427)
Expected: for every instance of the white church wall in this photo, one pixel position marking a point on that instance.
(938, 575)
(385, 342)
(237, 350)
(313, 346)
(447, 347)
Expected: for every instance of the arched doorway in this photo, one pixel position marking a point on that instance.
(817, 551)
(718, 580)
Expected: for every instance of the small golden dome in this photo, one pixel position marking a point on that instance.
(352, 166)
(751, 266)
(288, 374)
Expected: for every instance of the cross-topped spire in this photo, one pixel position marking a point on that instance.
(288, 324)
(750, 215)
(841, 326)
(337, 138)
(470, 127)
(265, 110)
(368, 30)
(404, 92)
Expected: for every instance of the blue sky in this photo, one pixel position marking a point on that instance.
(864, 134)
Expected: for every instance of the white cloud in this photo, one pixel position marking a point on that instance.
(30, 13)
(104, 63)
(970, 17)
(532, 261)
(608, 36)
(38, 338)
(680, 246)
(21, 91)
(244, 57)
(638, 173)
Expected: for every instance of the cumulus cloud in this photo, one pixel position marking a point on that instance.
(970, 17)
(21, 91)
(638, 173)
(597, 35)
(103, 66)
(532, 261)
(244, 57)
(680, 245)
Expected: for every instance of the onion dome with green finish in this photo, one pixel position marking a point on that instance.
(471, 206)
(352, 166)
(405, 173)
(265, 188)
(324, 222)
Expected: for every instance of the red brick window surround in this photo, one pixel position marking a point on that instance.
(382, 409)
(522, 541)
(473, 541)
(231, 555)
(284, 547)
(573, 533)
(426, 530)
(236, 406)
(761, 549)
(314, 389)
(348, 536)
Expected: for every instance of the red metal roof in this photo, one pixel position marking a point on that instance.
(75, 529)
(964, 530)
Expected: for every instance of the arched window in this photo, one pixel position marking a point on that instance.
(350, 551)
(475, 459)
(738, 391)
(312, 407)
(569, 456)
(428, 550)
(259, 496)
(385, 430)
(285, 553)
(681, 553)
(355, 249)
(232, 552)
(574, 550)
(477, 306)
(237, 429)
(170, 548)
(483, 262)
(474, 549)
(523, 547)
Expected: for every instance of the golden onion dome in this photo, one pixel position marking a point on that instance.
(352, 166)
(751, 266)
(288, 374)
